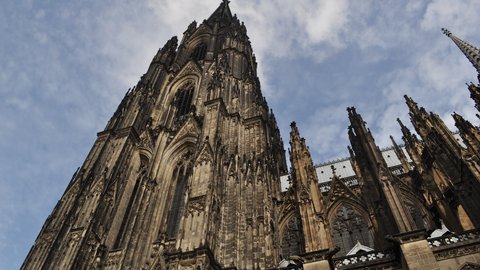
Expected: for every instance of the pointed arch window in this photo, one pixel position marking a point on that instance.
(183, 100)
(291, 238)
(180, 176)
(199, 52)
(416, 214)
(132, 205)
(348, 228)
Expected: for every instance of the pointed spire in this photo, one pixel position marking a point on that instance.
(469, 133)
(405, 131)
(460, 122)
(363, 144)
(357, 125)
(471, 52)
(221, 13)
(307, 193)
(401, 156)
(294, 134)
(412, 105)
(412, 144)
(167, 50)
(418, 116)
(300, 157)
(475, 94)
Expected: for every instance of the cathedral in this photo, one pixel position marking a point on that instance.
(190, 173)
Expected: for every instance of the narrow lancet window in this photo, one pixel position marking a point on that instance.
(199, 52)
(291, 238)
(183, 100)
(180, 176)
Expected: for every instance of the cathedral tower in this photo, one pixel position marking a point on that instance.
(185, 174)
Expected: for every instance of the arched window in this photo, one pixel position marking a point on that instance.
(348, 228)
(291, 239)
(199, 52)
(132, 205)
(183, 100)
(416, 214)
(180, 177)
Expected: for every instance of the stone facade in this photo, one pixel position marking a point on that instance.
(186, 175)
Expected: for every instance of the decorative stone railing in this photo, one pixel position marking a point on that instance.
(455, 245)
(365, 259)
(349, 181)
(454, 238)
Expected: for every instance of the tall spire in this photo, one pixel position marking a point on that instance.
(362, 141)
(401, 156)
(308, 195)
(418, 116)
(471, 52)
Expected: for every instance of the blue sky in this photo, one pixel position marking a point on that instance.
(65, 66)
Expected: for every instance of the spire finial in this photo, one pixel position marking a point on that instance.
(446, 32)
(393, 141)
(400, 122)
(412, 105)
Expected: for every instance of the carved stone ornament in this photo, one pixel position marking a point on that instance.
(304, 196)
(189, 69)
(469, 266)
(46, 238)
(346, 219)
(189, 128)
(456, 252)
(114, 258)
(74, 237)
(110, 195)
(149, 183)
(204, 157)
(146, 140)
(196, 204)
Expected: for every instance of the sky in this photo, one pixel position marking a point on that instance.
(65, 65)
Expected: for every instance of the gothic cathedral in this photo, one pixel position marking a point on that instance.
(187, 175)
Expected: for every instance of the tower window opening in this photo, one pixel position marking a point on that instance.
(180, 177)
(291, 238)
(348, 228)
(199, 52)
(183, 100)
